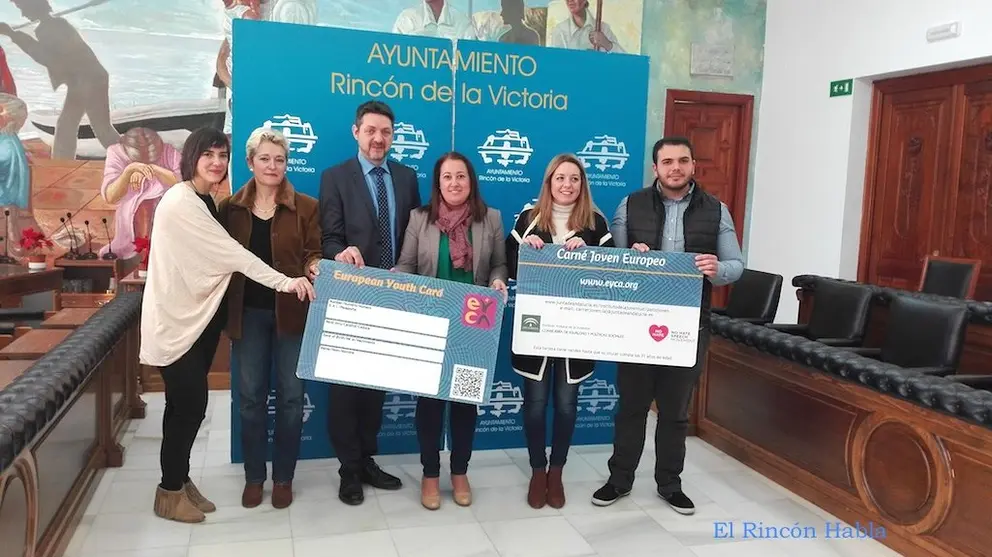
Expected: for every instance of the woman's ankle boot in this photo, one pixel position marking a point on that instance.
(537, 493)
(556, 490)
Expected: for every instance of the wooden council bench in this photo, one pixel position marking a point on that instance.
(69, 318)
(12, 369)
(34, 344)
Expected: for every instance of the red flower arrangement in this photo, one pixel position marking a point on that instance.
(32, 242)
(143, 246)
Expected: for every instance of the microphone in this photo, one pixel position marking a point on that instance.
(73, 252)
(110, 255)
(89, 255)
(6, 258)
(70, 254)
(62, 220)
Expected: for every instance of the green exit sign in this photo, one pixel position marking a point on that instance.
(841, 88)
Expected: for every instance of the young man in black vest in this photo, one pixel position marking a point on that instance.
(673, 215)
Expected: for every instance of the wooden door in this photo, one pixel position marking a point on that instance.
(719, 127)
(971, 230)
(911, 185)
(929, 176)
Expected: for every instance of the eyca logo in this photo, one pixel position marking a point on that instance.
(478, 311)
(300, 137)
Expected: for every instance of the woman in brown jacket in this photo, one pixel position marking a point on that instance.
(281, 227)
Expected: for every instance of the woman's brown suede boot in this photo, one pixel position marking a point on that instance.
(175, 505)
(556, 490)
(197, 498)
(537, 493)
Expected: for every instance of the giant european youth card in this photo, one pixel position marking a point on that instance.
(607, 304)
(403, 333)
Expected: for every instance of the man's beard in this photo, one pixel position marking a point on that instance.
(669, 186)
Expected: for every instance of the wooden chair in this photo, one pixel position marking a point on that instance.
(950, 276)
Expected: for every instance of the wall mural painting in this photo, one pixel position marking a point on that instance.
(97, 96)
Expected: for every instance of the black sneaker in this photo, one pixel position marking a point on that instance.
(679, 502)
(607, 495)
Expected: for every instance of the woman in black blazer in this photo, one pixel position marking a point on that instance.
(564, 214)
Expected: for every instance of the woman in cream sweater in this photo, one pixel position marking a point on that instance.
(190, 264)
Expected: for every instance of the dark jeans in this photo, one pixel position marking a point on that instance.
(258, 348)
(672, 388)
(185, 406)
(536, 394)
(430, 418)
(354, 417)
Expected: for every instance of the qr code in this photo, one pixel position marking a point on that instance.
(468, 383)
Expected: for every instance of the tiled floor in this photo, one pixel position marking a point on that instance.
(119, 522)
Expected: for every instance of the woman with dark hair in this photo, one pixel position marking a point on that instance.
(454, 237)
(190, 264)
(564, 215)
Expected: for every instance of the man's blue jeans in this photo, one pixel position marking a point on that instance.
(259, 347)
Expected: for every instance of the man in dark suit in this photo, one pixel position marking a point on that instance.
(365, 203)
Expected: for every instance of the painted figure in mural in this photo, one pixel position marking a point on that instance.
(515, 31)
(70, 62)
(15, 175)
(578, 32)
(139, 170)
(233, 9)
(302, 12)
(435, 18)
(7, 84)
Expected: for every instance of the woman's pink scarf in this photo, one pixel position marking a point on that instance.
(454, 221)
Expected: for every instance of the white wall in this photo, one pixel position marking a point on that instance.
(809, 171)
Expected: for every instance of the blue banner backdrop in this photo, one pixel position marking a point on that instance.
(307, 81)
(509, 108)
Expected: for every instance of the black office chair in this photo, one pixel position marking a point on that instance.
(11, 318)
(839, 316)
(922, 336)
(753, 298)
(950, 276)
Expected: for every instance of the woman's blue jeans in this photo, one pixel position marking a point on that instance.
(536, 395)
(260, 347)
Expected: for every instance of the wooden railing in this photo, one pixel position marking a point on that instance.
(60, 424)
(905, 456)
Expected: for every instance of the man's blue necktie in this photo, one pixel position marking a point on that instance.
(385, 230)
